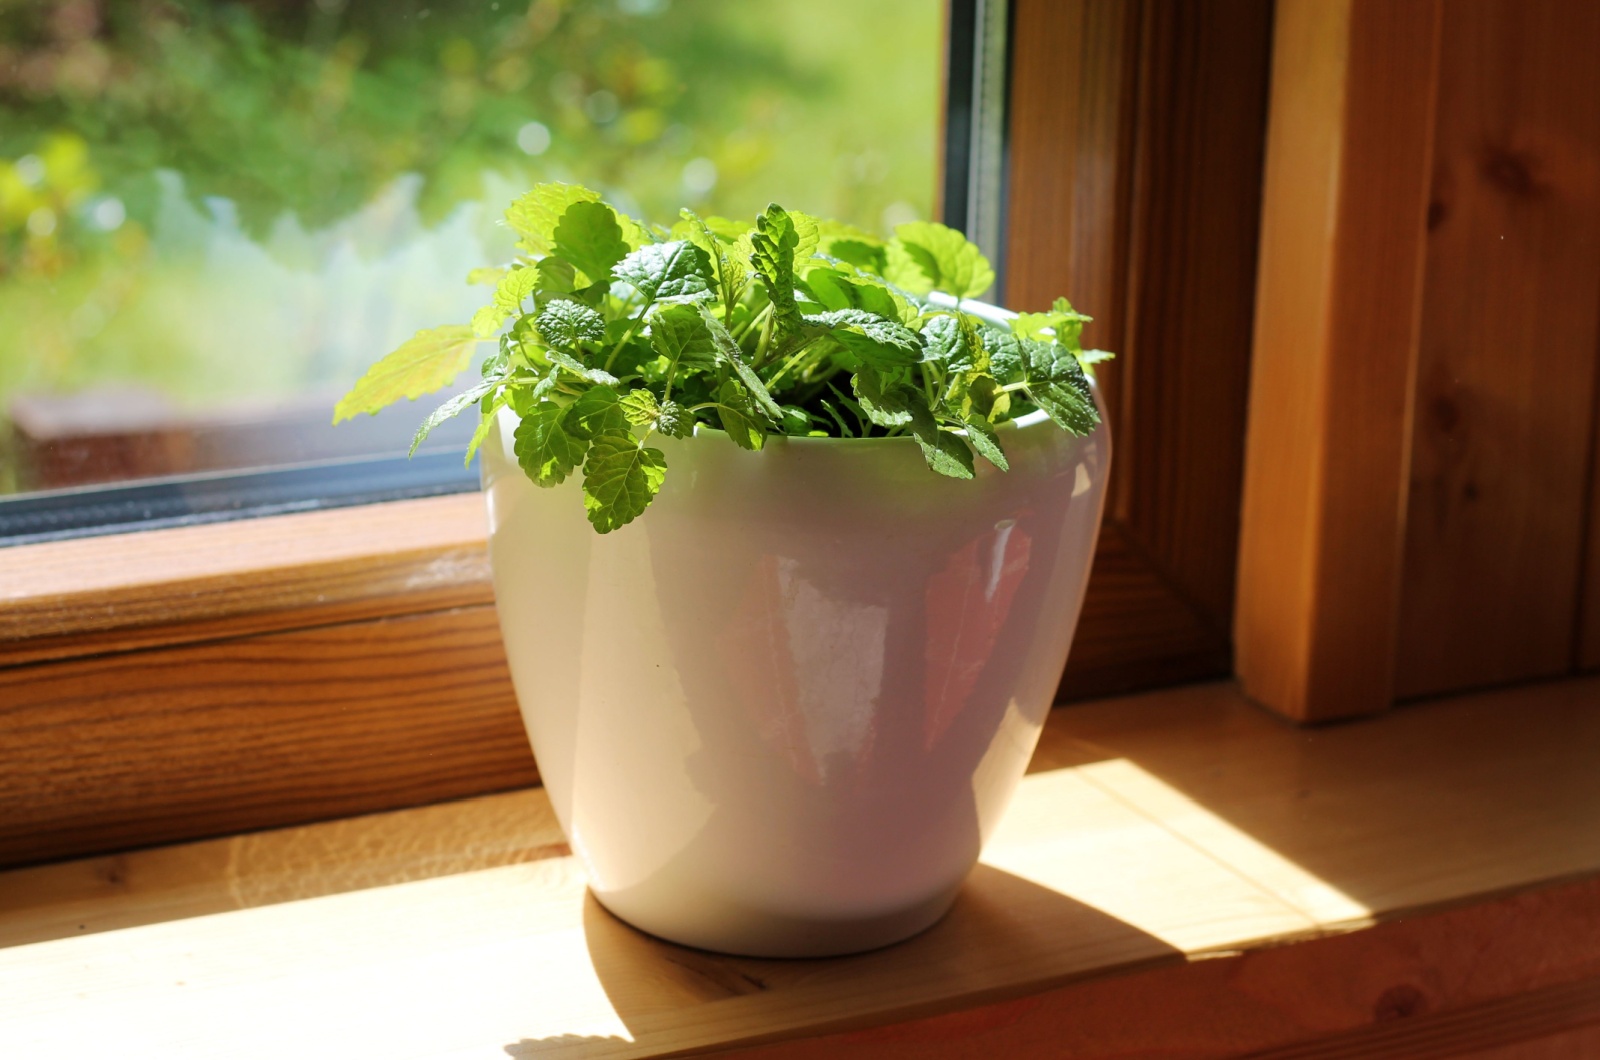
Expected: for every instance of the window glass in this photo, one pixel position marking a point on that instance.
(214, 216)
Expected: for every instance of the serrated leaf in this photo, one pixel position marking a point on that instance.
(1005, 354)
(428, 361)
(596, 411)
(807, 235)
(739, 416)
(887, 405)
(544, 448)
(620, 479)
(589, 237)
(486, 424)
(674, 420)
(927, 256)
(874, 340)
(579, 369)
(943, 451)
(948, 343)
(1051, 362)
(513, 287)
(677, 271)
(728, 350)
(772, 254)
(451, 409)
(535, 214)
(640, 407)
(568, 324)
(984, 438)
(1073, 410)
(486, 276)
(715, 235)
(679, 334)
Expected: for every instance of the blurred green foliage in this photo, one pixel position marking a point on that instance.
(257, 198)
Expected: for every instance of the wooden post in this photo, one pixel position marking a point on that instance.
(1338, 297)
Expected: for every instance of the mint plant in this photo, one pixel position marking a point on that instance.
(609, 331)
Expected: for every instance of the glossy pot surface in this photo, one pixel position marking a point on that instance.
(780, 712)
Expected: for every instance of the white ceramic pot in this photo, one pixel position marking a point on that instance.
(779, 713)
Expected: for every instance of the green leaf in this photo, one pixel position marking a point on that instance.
(1072, 409)
(887, 405)
(1089, 358)
(509, 292)
(1052, 362)
(807, 235)
(927, 256)
(679, 334)
(486, 276)
(545, 449)
(950, 344)
(668, 272)
(674, 420)
(849, 243)
(772, 255)
(837, 290)
(568, 324)
(579, 369)
(715, 235)
(1006, 360)
(597, 410)
(740, 418)
(796, 420)
(450, 409)
(428, 361)
(556, 276)
(620, 479)
(984, 438)
(729, 351)
(874, 340)
(486, 424)
(535, 214)
(589, 237)
(640, 407)
(944, 452)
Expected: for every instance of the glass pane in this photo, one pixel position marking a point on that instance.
(214, 216)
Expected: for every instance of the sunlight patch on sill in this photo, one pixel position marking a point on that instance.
(1116, 837)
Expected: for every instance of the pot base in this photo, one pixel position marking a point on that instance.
(753, 933)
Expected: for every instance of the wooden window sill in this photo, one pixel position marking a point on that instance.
(1181, 875)
(325, 664)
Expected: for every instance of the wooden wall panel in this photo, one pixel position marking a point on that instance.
(1135, 162)
(118, 751)
(1506, 362)
(1336, 322)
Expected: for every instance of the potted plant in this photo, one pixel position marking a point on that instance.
(785, 663)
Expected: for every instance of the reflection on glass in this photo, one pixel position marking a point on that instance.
(214, 216)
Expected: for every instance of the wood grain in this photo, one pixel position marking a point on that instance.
(1402, 991)
(1180, 875)
(110, 752)
(174, 586)
(1504, 408)
(1337, 311)
(1135, 170)
(1193, 223)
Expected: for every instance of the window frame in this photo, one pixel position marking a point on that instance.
(392, 603)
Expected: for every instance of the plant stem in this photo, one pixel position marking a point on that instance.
(626, 335)
(766, 339)
(759, 318)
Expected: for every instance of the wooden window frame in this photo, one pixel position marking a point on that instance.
(178, 683)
